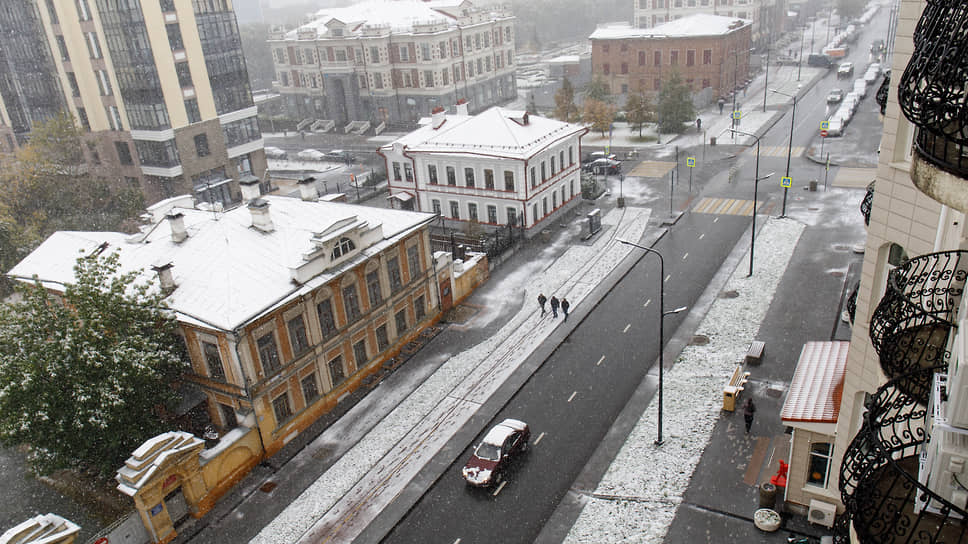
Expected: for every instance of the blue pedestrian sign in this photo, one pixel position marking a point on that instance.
(786, 181)
(737, 115)
(824, 125)
(690, 162)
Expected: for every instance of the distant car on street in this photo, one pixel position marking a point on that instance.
(596, 155)
(819, 61)
(877, 46)
(835, 95)
(604, 166)
(310, 155)
(339, 155)
(845, 70)
(275, 153)
(495, 452)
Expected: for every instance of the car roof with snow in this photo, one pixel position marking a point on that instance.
(500, 432)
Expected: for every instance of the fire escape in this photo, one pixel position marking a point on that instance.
(904, 474)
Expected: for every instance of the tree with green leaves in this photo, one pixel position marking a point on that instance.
(85, 375)
(565, 108)
(675, 105)
(597, 89)
(638, 110)
(599, 115)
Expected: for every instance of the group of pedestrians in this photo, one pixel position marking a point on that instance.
(555, 304)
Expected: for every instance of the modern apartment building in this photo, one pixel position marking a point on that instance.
(897, 455)
(159, 88)
(393, 61)
(708, 52)
(767, 16)
(497, 168)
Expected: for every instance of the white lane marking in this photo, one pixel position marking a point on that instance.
(600, 361)
(701, 236)
(573, 393)
(716, 219)
(668, 277)
(457, 541)
(499, 488)
(536, 440)
(627, 327)
(646, 305)
(686, 256)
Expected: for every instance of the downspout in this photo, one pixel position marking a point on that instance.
(248, 394)
(463, 64)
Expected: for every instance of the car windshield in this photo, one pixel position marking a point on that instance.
(489, 452)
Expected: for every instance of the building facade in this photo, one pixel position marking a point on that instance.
(393, 61)
(159, 89)
(766, 16)
(707, 51)
(496, 168)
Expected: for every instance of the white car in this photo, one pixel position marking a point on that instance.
(860, 87)
(310, 155)
(835, 127)
(275, 153)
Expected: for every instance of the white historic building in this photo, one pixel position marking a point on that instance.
(500, 167)
(767, 15)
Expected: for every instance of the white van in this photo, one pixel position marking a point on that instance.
(860, 87)
(835, 127)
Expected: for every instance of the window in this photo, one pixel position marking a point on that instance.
(605, 48)
(327, 320)
(707, 56)
(344, 246)
(401, 321)
(93, 45)
(428, 78)
(82, 116)
(451, 176)
(641, 58)
(419, 310)
(674, 58)
(201, 145)
(690, 58)
(472, 211)
(309, 388)
(124, 152)
(552, 166)
(404, 53)
(657, 58)
(492, 214)
(534, 178)
(625, 68)
(442, 48)
(408, 172)
(393, 271)
(175, 36)
(432, 173)
(268, 353)
(544, 174)
(382, 340)
(435, 204)
(396, 171)
(103, 82)
(72, 81)
(606, 69)
(425, 51)
(534, 213)
(62, 46)
(191, 109)
(282, 408)
(454, 210)
(413, 261)
(571, 155)
(488, 179)
(114, 116)
(297, 335)
(373, 288)
(820, 456)
(561, 159)
(351, 303)
(544, 206)
(52, 12)
(184, 74)
(83, 11)
(340, 55)
(374, 54)
(512, 217)
(469, 177)
(508, 180)
(554, 200)
(336, 373)
(213, 360)
(359, 353)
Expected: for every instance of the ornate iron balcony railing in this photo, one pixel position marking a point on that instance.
(879, 474)
(932, 91)
(852, 302)
(882, 91)
(867, 203)
(910, 326)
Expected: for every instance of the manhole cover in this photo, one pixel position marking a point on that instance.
(841, 247)
(729, 294)
(837, 273)
(268, 487)
(699, 340)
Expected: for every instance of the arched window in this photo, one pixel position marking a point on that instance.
(344, 246)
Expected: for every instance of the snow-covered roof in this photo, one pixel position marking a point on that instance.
(227, 272)
(398, 16)
(700, 24)
(42, 529)
(495, 132)
(817, 384)
(152, 456)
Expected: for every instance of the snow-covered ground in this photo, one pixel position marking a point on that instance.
(638, 497)
(349, 495)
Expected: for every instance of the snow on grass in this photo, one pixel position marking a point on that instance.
(638, 497)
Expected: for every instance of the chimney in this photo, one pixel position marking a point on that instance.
(165, 277)
(250, 189)
(260, 215)
(462, 107)
(177, 223)
(437, 117)
(526, 120)
(307, 189)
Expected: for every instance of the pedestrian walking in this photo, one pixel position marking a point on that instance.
(554, 306)
(748, 410)
(541, 302)
(698, 124)
(721, 102)
(564, 307)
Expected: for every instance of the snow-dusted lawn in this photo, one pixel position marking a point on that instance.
(651, 479)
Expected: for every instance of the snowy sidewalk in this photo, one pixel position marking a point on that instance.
(368, 477)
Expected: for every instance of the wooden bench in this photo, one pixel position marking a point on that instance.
(754, 353)
(734, 387)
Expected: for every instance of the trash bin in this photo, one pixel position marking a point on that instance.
(546, 235)
(712, 140)
(767, 495)
(620, 202)
(813, 185)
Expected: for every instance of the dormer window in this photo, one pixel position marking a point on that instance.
(337, 32)
(344, 246)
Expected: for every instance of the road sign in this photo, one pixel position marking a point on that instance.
(786, 181)
(690, 162)
(737, 115)
(824, 125)
(823, 133)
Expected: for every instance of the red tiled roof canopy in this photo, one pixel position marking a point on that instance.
(817, 384)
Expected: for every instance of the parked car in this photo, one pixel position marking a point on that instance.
(310, 155)
(339, 155)
(604, 166)
(595, 155)
(835, 95)
(877, 46)
(860, 87)
(845, 70)
(275, 153)
(493, 455)
(835, 127)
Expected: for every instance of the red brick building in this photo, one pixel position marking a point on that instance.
(708, 51)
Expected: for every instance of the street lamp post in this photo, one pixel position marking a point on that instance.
(793, 115)
(756, 185)
(662, 315)
(800, 58)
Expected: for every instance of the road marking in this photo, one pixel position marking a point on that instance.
(686, 256)
(536, 440)
(600, 361)
(646, 305)
(715, 220)
(627, 327)
(703, 235)
(457, 541)
(573, 393)
(499, 488)
(668, 277)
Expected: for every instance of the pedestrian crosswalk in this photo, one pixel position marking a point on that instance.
(725, 206)
(780, 151)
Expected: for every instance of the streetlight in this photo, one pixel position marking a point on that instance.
(756, 185)
(662, 314)
(793, 116)
(800, 58)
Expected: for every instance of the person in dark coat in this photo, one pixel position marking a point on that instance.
(748, 410)
(564, 307)
(541, 302)
(554, 306)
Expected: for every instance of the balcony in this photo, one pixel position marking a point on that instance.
(867, 203)
(933, 96)
(911, 324)
(879, 473)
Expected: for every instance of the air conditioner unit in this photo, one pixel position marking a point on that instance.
(949, 465)
(822, 513)
(956, 410)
